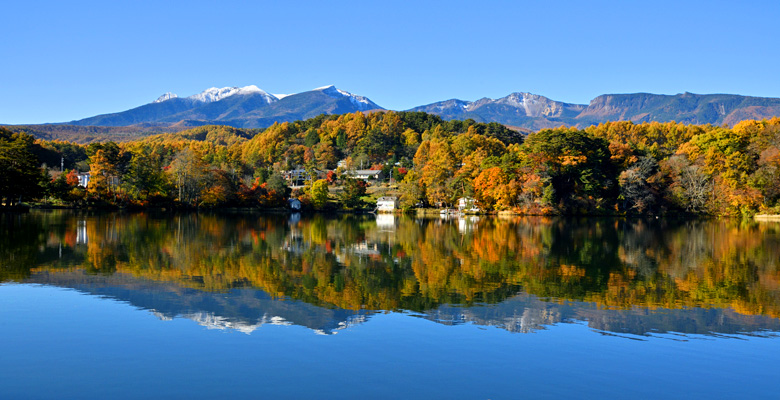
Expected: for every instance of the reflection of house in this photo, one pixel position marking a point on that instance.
(295, 243)
(84, 179)
(362, 250)
(294, 204)
(467, 204)
(386, 204)
(365, 248)
(294, 219)
(366, 174)
(81, 233)
(385, 221)
(467, 223)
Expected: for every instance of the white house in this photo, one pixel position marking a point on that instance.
(297, 177)
(467, 204)
(84, 179)
(386, 204)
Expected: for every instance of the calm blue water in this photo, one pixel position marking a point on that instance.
(59, 343)
(69, 332)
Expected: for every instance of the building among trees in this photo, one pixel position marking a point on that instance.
(366, 174)
(386, 204)
(467, 204)
(84, 179)
(294, 204)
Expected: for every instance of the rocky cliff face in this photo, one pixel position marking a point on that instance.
(621, 107)
(531, 111)
(691, 108)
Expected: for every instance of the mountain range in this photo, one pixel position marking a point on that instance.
(252, 107)
(244, 107)
(535, 112)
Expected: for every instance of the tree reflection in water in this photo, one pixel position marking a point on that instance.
(532, 272)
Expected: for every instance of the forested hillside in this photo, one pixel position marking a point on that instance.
(89, 134)
(610, 168)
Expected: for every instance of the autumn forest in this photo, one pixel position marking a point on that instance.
(614, 168)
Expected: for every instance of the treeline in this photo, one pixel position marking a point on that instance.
(89, 134)
(613, 168)
(351, 262)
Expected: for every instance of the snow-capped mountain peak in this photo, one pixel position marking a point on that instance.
(362, 103)
(213, 94)
(166, 96)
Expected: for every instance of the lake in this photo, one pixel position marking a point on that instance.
(114, 305)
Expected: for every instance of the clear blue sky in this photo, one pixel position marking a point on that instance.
(69, 60)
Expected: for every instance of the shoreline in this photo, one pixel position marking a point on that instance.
(421, 212)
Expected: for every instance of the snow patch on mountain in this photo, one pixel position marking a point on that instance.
(166, 96)
(213, 94)
(534, 105)
(452, 104)
(529, 104)
(362, 103)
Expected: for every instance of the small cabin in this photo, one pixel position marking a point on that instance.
(294, 204)
(84, 179)
(386, 204)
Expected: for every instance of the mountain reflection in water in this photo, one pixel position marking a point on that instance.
(327, 273)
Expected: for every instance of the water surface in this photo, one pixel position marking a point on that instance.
(205, 306)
